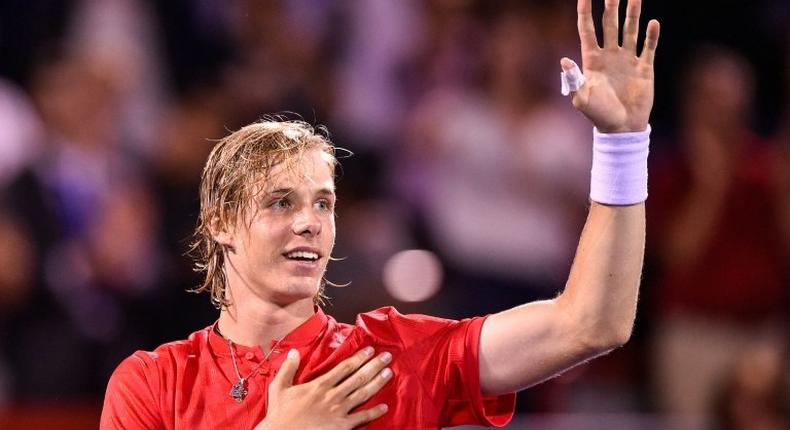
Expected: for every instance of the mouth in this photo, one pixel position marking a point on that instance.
(305, 255)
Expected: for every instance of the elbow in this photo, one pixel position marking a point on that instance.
(600, 331)
(619, 336)
(600, 340)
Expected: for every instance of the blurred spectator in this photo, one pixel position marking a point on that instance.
(20, 132)
(16, 283)
(783, 140)
(16, 264)
(95, 239)
(383, 36)
(280, 59)
(717, 226)
(120, 36)
(511, 154)
(755, 394)
(451, 49)
(78, 101)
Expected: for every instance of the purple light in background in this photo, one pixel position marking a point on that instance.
(413, 275)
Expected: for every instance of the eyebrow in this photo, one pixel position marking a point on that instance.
(287, 191)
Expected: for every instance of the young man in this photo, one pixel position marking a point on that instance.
(274, 360)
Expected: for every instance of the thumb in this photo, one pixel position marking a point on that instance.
(571, 76)
(567, 64)
(285, 377)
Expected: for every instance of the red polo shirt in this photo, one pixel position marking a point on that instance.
(185, 384)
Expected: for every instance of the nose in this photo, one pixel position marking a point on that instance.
(307, 223)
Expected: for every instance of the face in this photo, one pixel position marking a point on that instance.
(280, 249)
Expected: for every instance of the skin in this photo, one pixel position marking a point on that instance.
(520, 347)
(271, 295)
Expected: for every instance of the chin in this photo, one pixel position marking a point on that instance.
(300, 290)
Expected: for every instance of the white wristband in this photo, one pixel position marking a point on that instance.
(619, 169)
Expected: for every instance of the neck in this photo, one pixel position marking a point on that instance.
(255, 323)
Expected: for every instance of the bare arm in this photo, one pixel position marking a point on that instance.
(525, 345)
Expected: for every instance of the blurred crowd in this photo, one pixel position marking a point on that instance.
(462, 146)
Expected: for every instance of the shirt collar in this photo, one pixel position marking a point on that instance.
(302, 335)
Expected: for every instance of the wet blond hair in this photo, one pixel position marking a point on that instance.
(231, 180)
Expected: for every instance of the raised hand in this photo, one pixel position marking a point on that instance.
(326, 402)
(618, 94)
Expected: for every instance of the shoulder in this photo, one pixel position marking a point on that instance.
(388, 324)
(388, 315)
(138, 386)
(167, 358)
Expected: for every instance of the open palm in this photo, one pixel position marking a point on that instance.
(618, 94)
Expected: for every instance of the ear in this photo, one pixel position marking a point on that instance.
(221, 234)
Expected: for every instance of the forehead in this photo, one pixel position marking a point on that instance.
(312, 169)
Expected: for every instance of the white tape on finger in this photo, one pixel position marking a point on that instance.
(572, 80)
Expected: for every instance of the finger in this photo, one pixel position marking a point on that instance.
(610, 24)
(367, 415)
(364, 393)
(571, 77)
(631, 26)
(586, 26)
(365, 374)
(346, 367)
(285, 376)
(577, 92)
(651, 42)
(567, 64)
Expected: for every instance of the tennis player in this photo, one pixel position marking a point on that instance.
(275, 360)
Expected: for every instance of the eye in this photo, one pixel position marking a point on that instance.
(324, 205)
(280, 204)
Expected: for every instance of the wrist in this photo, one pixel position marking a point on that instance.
(624, 129)
(619, 170)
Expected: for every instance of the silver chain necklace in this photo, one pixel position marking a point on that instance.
(239, 390)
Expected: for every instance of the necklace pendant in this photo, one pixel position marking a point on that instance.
(238, 392)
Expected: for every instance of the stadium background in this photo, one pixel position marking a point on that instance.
(465, 196)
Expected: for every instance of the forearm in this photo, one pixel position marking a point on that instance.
(528, 344)
(601, 294)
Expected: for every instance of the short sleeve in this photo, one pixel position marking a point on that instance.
(130, 402)
(445, 355)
